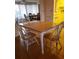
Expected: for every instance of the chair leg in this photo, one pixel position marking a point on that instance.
(57, 45)
(22, 42)
(36, 40)
(60, 45)
(26, 44)
(51, 44)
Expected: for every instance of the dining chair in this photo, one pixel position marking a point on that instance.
(54, 36)
(27, 38)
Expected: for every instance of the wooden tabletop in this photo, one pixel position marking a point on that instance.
(39, 26)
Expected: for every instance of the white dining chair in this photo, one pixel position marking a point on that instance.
(27, 38)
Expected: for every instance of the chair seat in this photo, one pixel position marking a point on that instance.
(29, 35)
(50, 37)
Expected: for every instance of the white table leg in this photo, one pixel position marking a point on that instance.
(42, 43)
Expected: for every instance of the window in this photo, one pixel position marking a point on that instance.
(20, 11)
(32, 8)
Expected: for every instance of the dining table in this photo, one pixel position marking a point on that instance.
(40, 27)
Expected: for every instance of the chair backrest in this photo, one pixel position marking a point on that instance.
(57, 30)
(60, 26)
(23, 32)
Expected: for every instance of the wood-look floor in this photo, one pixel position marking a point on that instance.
(35, 52)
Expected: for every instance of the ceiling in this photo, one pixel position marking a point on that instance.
(27, 0)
